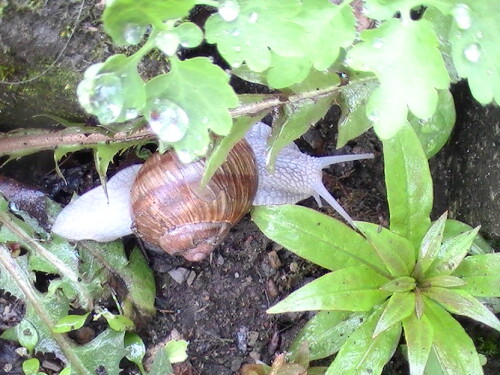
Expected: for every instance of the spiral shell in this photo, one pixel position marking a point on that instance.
(171, 211)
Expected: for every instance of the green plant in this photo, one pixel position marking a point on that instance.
(384, 281)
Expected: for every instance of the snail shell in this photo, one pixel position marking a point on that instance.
(171, 211)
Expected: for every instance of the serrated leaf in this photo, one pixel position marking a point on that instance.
(474, 39)
(479, 246)
(326, 332)
(451, 253)
(362, 354)
(461, 302)
(434, 132)
(354, 98)
(329, 25)
(104, 353)
(409, 185)
(354, 288)
(396, 252)
(408, 78)
(419, 335)
(481, 273)
(70, 323)
(315, 237)
(398, 307)
(454, 349)
(202, 91)
(126, 20)
(258, 27)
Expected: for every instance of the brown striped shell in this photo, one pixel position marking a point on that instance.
(172, 212)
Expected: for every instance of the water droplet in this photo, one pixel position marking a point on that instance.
(479, 35)
(133, 33)
(105, 99)
(169, 121)
(211, 59)
(237, 49)
(462, 16)
(472, 52)
(373, 116)
(378, 43)
(131, 113)
(235, 32)
(254, 16)
(229, 10)
(204, 121)
(185, 156)
(168, 42)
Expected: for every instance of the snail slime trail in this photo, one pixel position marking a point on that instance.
(162, 201)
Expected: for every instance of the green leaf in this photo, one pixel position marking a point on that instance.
(126, 20)
(200, 95)
(405, 58)
(396, 252)
(401, 284)
(104, 353)
(454, 227)
(113, 91)
(70, 323)
(326, 332)
(434, 132)
(354, 288)
(329, 25)
(219, 154)
(474, 39)
(409, 185)
(452, 252)
(398, 307)
(380, 9)
(176, 350)
(454, 349)
(481, 274)
(27, 335)
(256, 28)
(431, 245)
(135, 348)
(315, 237)
(445, 281)
(190, 35)
(161, 364)
(354, 98)
(31, 366)
(460, 302)
(419, 334)
(363, 354)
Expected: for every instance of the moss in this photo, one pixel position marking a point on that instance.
(6, 71)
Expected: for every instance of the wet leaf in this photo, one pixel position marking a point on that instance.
(326, 332)
(480, 272)
(409, 185)
(70, 323)
(200, 90)
(396, 252)
(398, 307)
(354, 288)
(419, 335)
(315, 237)
(454, 349)
(126, 20)
(135, 348)
(364, 354)
(405, 58)
(454, 227)
(451, 253)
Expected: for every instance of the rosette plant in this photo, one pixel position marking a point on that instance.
(383, 283)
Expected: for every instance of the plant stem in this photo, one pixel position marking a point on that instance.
(31, 295)
(14, 144)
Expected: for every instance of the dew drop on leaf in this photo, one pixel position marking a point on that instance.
(168, 42)
(131, 113)
(132, 33)
(229, 10)
(254, 16)
(168, 120)
(106, 97)
(462, 16)
(378, 43)
(472, 52)
(373, 116)
(235, 32)
(185, 156)
(237, 49)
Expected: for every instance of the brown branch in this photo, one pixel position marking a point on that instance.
(15, 144)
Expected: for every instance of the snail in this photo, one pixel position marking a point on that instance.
(162, 201)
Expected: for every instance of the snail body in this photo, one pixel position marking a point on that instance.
(163, 203)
